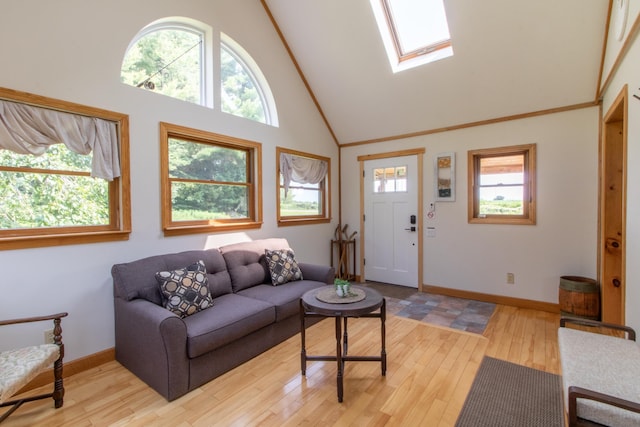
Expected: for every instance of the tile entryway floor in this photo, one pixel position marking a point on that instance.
(457, 313)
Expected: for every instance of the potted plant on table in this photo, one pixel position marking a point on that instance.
(342, 286)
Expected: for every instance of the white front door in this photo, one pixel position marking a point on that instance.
(390, 237)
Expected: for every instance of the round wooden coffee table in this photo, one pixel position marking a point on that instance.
(311, 306)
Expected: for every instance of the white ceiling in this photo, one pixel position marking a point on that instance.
(510, 57)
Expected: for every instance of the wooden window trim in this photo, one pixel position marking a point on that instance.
(254, 149)
(325, 216)
(119, 227)
(406, 56)
(195, 27)
(529, 194)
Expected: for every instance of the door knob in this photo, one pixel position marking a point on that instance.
(410, 229)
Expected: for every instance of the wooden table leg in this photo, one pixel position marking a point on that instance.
(345, 339)
(383, 353)
(303, 351)
(339, 358)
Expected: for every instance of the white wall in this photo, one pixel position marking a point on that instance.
(72, 50)
(614, 43)
(628, 74)
(476, 257)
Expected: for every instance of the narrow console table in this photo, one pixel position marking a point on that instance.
(311, 306)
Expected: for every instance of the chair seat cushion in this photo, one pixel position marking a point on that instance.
(18, 367)
(604, 364)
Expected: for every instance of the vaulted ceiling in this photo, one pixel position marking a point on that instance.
(511, 57)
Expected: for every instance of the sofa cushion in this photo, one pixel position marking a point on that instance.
(231, 317)
(136, 279)
(217, 274)
(601, 363)
(283, 267)
(185, 291)
(285, 298)
(246, 262)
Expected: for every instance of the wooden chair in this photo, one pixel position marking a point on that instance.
(19, 367)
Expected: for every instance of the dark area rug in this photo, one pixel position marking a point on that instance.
(510, 395)
(457, 313)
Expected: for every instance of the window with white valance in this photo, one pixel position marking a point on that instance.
(303, 170)
(303, 187)
(26, 129)
(64, 172)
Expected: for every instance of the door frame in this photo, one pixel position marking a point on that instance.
(613, 213)
(419, 153)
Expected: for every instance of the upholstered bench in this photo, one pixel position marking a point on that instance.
(600, 375)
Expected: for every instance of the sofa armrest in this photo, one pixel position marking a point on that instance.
(319, 273)
(151, 342)
(576, 393)
(631, 333)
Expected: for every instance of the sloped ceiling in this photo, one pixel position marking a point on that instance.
(510, 57)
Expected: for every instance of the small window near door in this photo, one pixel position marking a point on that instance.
(502, 185)
(390, 179)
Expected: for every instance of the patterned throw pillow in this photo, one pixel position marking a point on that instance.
(185, 290)
(282, 266)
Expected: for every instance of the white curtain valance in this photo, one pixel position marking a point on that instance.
(303, 170)
(27, 129)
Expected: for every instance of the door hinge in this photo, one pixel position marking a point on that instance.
(363, 218)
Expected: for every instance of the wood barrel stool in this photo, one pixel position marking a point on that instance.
(579, 296)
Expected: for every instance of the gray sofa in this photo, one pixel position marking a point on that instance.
(249, 315)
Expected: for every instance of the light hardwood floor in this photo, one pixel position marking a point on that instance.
(430, 371)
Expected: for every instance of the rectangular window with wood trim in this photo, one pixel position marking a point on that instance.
(64, 172)
(303, 195)
(210, 182)
(502, 185)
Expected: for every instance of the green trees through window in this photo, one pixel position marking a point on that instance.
(52, 199)
(52, 190)
(167, 61)
(170, 57)
(240, 95)
(209, 181)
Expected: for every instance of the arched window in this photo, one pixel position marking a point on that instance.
(243, 88)
(174, 57)
(169, 57)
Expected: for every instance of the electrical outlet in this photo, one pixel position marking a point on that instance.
(48, 336)
(511, 279)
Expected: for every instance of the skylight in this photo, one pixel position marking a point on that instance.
(414, 32)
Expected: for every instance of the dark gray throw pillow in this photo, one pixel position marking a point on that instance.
(185, 290)
(282, 266)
